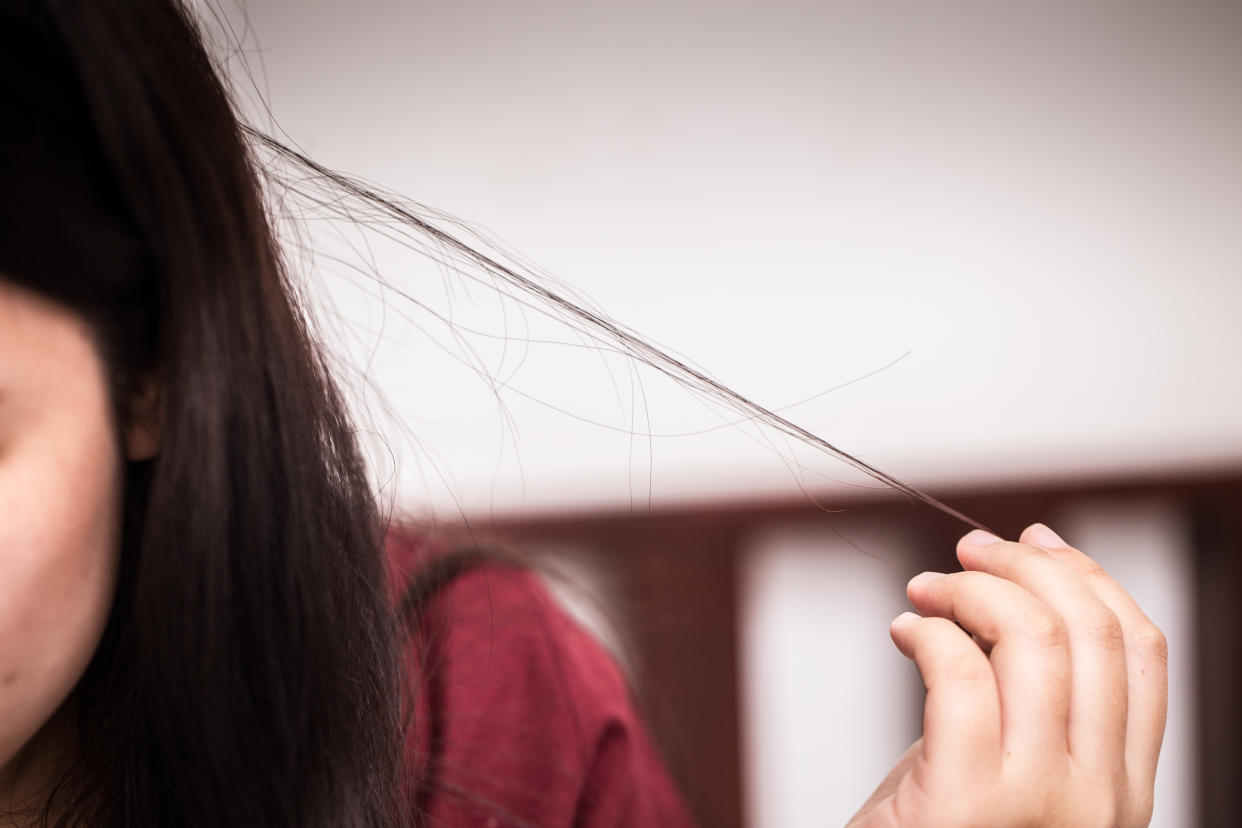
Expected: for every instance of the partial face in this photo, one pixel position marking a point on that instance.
(60, 501)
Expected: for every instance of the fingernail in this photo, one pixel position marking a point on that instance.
(1041, 535)
(925, 576)
(980, 538)
(904, 618)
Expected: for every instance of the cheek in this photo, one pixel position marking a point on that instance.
(59, 549)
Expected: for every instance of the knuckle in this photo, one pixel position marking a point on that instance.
(1103, 812)
(1142, 806)
(1083, 564)
(1106, 813)
(1084, 808)
(1102, 627)
(1152, 644)
(1046, 628)
(1049, 805)
(1090, 570)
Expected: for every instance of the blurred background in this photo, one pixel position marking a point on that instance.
(992, 248)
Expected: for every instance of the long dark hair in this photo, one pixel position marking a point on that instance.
(250, 671)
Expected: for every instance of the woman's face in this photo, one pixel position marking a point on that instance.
(60, 501)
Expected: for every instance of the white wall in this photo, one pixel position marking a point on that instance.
(1040, 202)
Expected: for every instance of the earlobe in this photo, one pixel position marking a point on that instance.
(144, 428)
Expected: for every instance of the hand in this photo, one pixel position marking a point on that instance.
(1052, 715)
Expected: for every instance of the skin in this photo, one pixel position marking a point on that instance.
(1051, 715)
(60, 501)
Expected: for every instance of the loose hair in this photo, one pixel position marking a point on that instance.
(250, 672)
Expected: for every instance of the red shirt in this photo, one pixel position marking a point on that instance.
(522, 718)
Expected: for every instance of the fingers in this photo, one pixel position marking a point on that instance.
(1030, 653)
(961, 715)
(1052, 690)
(1146, 653)
(1096, 732)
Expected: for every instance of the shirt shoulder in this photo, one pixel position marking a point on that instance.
(522, 717)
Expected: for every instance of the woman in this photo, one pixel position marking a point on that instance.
(198, 621)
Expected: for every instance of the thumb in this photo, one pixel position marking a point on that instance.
(887, 788)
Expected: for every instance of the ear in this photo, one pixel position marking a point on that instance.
(144, 429)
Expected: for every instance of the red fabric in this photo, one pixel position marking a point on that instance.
(522, 718)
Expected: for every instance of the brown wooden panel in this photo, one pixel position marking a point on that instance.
(682, 597)
(1218, 541)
